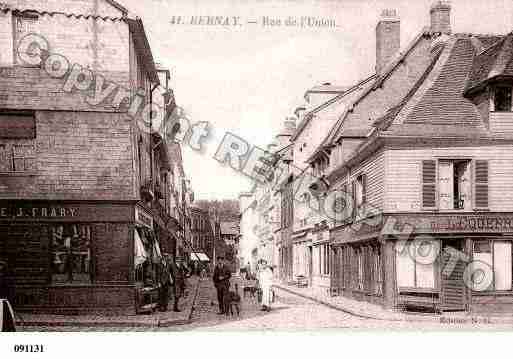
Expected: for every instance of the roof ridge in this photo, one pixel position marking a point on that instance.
(390, 67)
(476, 34)
(400, 56)
(68, 15)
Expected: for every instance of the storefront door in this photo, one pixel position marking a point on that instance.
(453, 290)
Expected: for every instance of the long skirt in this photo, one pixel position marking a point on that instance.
(266, 295)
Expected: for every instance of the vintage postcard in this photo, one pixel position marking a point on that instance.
(222, 165)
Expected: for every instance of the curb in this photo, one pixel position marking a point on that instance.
(114, 324)
(86, 324)
(333, 306)
(411, 319)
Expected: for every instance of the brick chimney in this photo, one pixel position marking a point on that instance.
(387, 38)
(441, 17)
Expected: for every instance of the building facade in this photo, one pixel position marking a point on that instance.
(414, 159)
(202, 235)
(85, 190)
(426, 189)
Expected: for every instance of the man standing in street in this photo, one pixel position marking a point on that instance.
(177, 282)
(165, 283)
(221, 281)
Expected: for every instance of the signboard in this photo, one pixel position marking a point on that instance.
(60, 211)
(472, 224)
(457, 223)
(38, 212)
(425, 224)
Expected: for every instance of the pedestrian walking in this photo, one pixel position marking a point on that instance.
(221, 280)
(265, 281)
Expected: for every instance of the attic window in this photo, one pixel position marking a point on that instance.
(502, 99)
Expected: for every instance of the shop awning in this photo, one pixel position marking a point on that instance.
(199, 256)
(140, 255)
(349, 235)
(150, 245)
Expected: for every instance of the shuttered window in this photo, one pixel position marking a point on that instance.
(428, 184)
(364, 188)
(353, 198)
(481, 184)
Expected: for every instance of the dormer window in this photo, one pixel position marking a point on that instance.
(502, 99)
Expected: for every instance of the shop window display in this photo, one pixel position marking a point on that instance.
(498, 256)
(410, 273)
(71, 253)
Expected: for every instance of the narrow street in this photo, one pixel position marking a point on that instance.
(289, 312)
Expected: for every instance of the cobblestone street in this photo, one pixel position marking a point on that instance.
(289, 312)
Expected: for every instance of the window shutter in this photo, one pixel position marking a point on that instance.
(364, 188)
(481, 184)
(353, 198)
(428, 184)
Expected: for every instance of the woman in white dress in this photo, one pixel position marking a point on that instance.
(265, 280)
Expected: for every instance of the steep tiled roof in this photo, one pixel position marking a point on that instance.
(435, 107)
(385, 121)
(488, 40)
(351, 90)
(336, 128)
(495, 60)
(378, 80)
(443, 103)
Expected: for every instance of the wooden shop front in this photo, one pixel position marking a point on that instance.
(454, 262)
(440, 262)
(69, 257)
(356, 265)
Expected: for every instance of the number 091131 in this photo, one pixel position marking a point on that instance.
(28, 348)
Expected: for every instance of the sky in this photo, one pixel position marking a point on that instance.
(247, 79)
